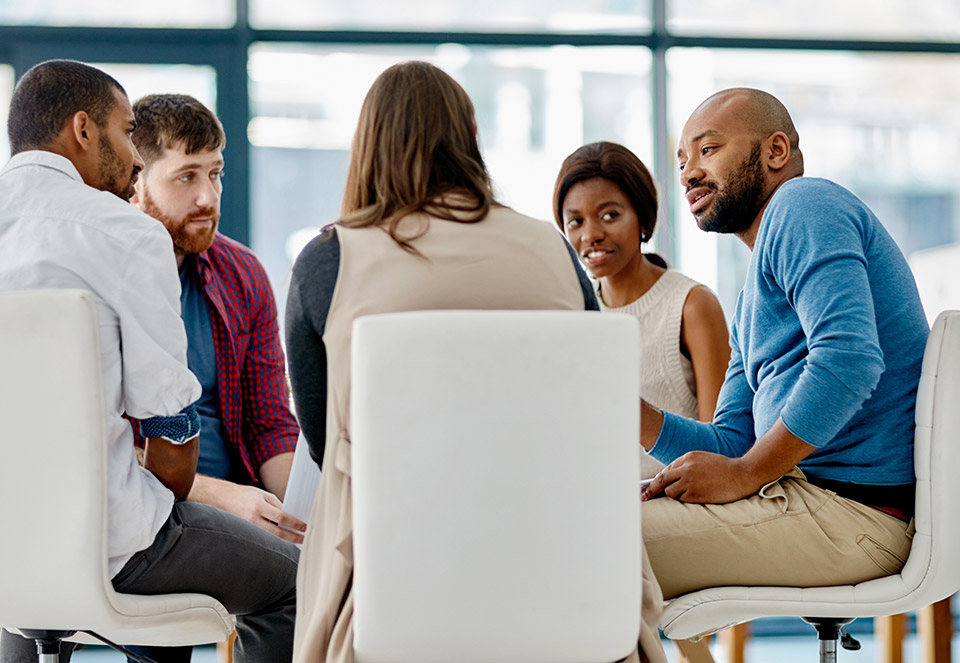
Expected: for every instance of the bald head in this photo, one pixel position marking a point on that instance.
(735, 150)
(761, 113)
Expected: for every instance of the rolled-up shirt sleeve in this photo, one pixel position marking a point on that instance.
(156, 380)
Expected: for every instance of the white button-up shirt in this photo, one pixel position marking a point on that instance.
(57, 232)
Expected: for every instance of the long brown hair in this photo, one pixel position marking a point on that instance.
(415, 150)
(617, 164)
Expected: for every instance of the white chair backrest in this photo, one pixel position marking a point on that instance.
(53, 458)
(934, 561)
(495, 486)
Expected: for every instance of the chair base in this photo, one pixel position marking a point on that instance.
(829, 629)
(48, 643)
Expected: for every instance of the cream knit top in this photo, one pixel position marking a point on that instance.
(666, 376)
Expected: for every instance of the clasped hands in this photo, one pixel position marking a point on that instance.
(704, 478)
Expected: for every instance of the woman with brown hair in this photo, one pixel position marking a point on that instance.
(419, 230)
(605, 202)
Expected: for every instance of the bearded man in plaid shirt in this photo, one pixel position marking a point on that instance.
(248, 432)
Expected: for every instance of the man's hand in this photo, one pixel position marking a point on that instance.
(703, 478)
(709, 478)
(259, 507)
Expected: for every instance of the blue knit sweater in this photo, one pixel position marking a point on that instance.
(828, 335)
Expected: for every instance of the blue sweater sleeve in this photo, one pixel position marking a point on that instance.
(816, 254)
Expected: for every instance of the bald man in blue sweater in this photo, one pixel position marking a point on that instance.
(805, 476)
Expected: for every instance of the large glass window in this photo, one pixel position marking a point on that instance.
(137, 80)
(140, 79)
(885, 126)
(6, 91)
(594, 16)
(534, 106)
(109, 13)
(820, 19)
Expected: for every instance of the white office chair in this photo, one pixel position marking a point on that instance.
(53, 561)
(932, 571)
(495, 487)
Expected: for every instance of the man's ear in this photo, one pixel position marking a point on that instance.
(82, 130)
(777, 150)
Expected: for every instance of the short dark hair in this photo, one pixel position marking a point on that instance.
(617, 164)
(163, 120)
(50, 94)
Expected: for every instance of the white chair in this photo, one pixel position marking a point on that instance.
(53, 561)
(495, 487)
(932, 570)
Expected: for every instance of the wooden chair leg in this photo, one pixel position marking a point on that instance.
(225, 649)
(695, 652)
(733, 641)
(889, 633)
(935, 628)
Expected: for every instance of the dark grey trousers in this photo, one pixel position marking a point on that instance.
(203, 550)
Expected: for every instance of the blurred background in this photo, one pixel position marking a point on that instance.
(872, 85)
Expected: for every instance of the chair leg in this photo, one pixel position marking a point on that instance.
(225, 649)
(734, 642)
(695, 651)
(889, 632)
(48, 643)
(935, 626)
(828, 631)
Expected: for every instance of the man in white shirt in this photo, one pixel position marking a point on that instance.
(64, 223)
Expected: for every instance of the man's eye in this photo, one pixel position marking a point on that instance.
(186, 178)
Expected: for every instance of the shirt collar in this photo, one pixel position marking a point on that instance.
(44, 159)
(203, 261)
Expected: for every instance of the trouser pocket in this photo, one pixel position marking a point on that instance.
(886, 559)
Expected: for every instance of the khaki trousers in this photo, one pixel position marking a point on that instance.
(791, 533)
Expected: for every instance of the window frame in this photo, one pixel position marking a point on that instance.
(226, 51)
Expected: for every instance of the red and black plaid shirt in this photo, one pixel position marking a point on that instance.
(251, 377)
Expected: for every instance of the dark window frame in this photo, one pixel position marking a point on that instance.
(226, 51)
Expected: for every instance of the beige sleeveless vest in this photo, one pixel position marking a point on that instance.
(666, 376)
(506, 261)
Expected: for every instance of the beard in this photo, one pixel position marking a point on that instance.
(186, 240)
(736, 205)
(112, 173)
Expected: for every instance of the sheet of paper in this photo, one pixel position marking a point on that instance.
(302, 486)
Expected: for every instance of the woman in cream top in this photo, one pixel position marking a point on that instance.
(420, 230)
(605, 202)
